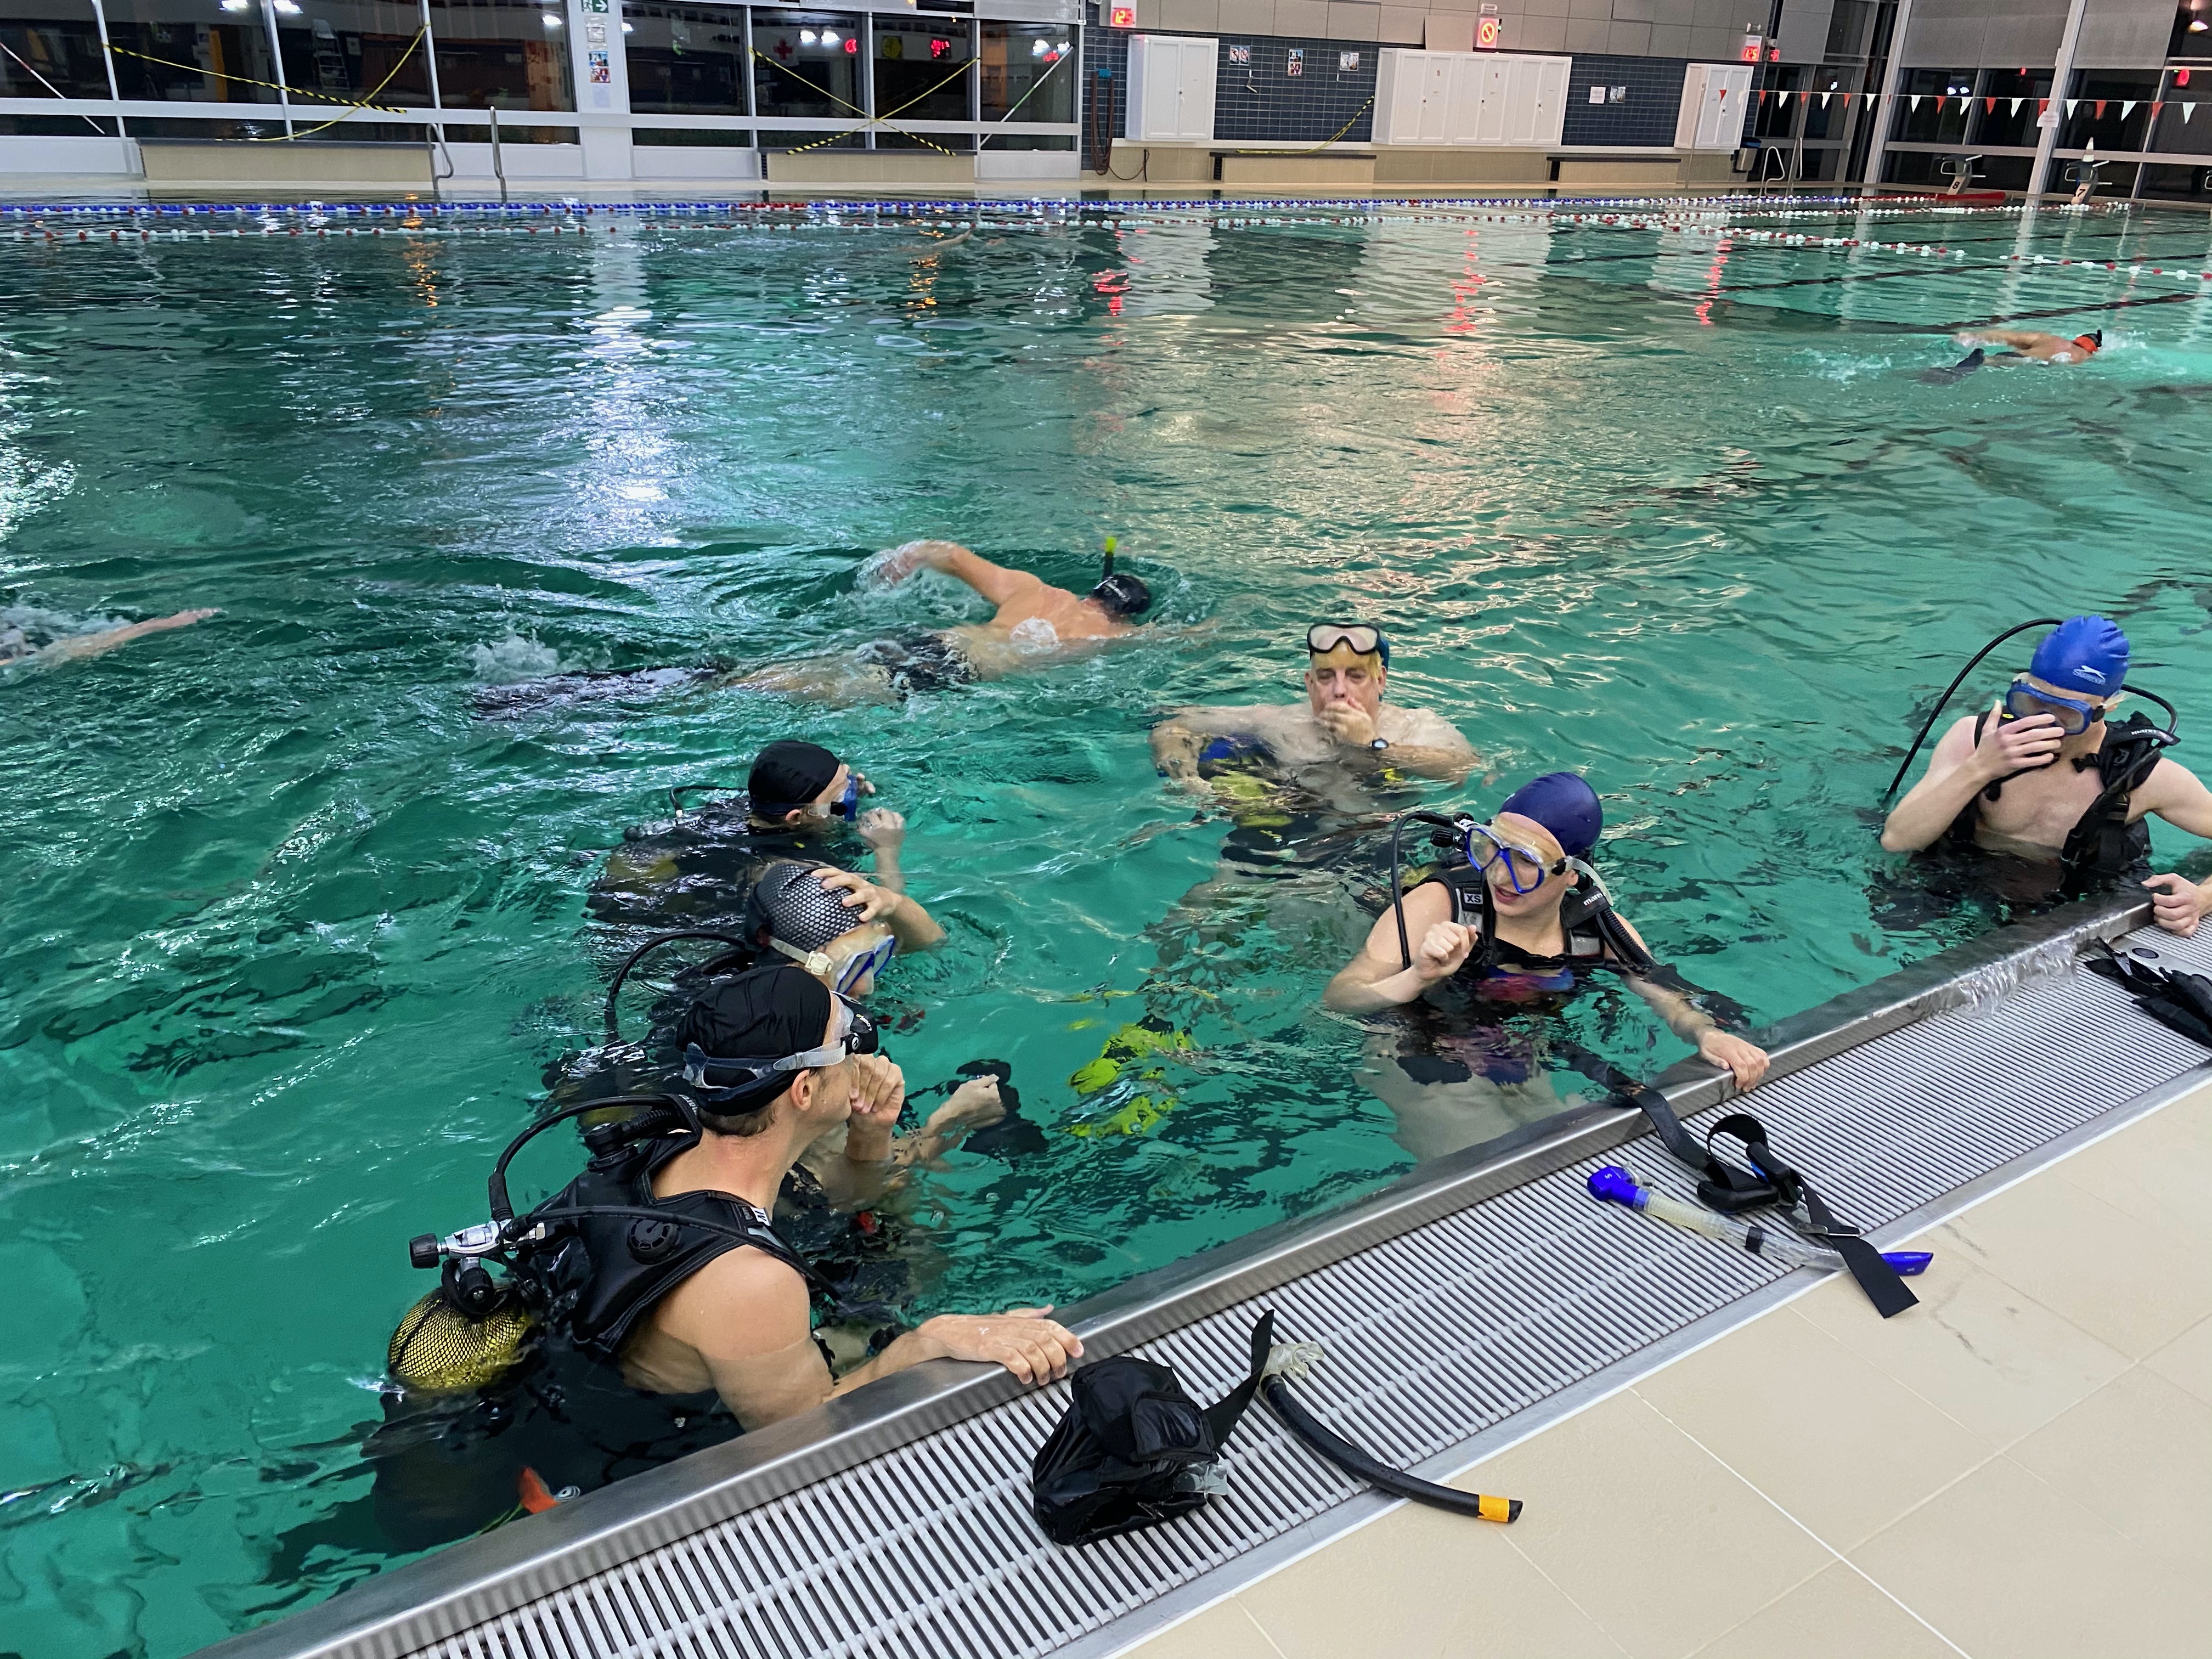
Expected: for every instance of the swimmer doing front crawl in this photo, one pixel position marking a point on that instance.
(1036, 623)
(1035, 620)
(16, 647)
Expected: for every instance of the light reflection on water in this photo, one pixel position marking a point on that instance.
(292, 934)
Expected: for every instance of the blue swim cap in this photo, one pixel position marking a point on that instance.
(2083, 653)
(1564, 805)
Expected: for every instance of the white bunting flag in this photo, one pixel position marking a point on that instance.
(2071, 102)
(2129, 108)
(1913, 98)
(2016, 103)
(1824, 98)
(2187, 110)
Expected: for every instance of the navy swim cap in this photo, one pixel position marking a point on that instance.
(1564, 805)
(2083, 653)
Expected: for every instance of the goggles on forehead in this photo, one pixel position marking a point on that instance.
(857, 967)
(2074, 715)
(1324, 637)
(718, 1077)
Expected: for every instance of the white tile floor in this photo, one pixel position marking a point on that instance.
(2020, 1467)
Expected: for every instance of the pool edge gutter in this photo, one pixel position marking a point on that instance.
(467, 1583)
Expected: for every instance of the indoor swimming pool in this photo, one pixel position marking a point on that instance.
(294, 930)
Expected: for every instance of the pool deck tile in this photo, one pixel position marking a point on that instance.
(2022, 1466)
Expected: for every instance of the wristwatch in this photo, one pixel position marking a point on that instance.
(1379, 744)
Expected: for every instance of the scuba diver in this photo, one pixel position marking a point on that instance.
(799, 801)
(1034, 622)
(1341, 737)
(654, 1287)
(2046, 777)
(1512, 926)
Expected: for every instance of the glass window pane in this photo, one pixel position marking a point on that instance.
(343, 50)
(924, 66)
(209, 51)
(812, 66)
(1777, 111)
(500, 53)
(1029, 71)
(2103, 110)
(2003, 124)
(1932, 123)
(686, 59)
(52, 51)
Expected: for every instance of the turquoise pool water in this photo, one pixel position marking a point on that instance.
(291, 932)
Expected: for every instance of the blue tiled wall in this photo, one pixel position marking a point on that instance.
(1646, 120)
(1262, 101)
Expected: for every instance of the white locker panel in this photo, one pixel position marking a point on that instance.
(1171, 98)
(1714, 98)
(1469, 98)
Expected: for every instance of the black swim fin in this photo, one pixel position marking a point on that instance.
(1958, 371)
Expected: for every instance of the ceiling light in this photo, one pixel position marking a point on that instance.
(237, 5)
(288, 7)
(2197, 26)
(806, 37)
(629, 28)
(828, 37)
(550, 21)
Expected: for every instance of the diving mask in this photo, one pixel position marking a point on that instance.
(858, 967)
(1364, 640)
(1525, 868)
(2074, 715)
(852, 1032)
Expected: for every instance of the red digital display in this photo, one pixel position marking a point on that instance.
(1122, 17)
(1486, 34)
(852, 43)
(1751, 47)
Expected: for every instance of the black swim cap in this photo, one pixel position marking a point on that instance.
(1123, 595)
(765, 1014)
(790, 903)
(788, 774)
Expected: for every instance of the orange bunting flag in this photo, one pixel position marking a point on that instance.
(1989, 106)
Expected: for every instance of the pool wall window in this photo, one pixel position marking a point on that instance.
(957, 92)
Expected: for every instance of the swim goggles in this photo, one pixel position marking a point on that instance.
(857, 967)
(717, 1077)
(2073, 716)
(1324, 637)
(1525, 869)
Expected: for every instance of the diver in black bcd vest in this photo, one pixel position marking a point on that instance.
(800, 801)
(2046, 777)
(656, 1281)
(1509, 928)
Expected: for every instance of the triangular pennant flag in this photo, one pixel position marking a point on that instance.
(2070, 104)
(1762, 94)
(1912, 99)
(2100, 109)
(2156, 105)
(2187, 110)
(1847, 100)
(2016, 103)
(2042, 106)
(1989, 106)
(2128, 108)
(1824, 98)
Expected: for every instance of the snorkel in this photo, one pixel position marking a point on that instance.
(1119, 594)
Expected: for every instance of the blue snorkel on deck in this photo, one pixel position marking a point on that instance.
(1617, 1186)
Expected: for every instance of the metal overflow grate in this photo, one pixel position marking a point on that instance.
(1431, 1337)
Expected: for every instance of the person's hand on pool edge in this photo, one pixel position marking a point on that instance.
(1031, 1346)
(2178, 904)
(1746, 1061)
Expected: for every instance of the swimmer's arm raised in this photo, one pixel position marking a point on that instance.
(993, 581)
(93, 645)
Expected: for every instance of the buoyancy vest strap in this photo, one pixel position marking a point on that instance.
(1724, 1187)
(1224, 1413)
